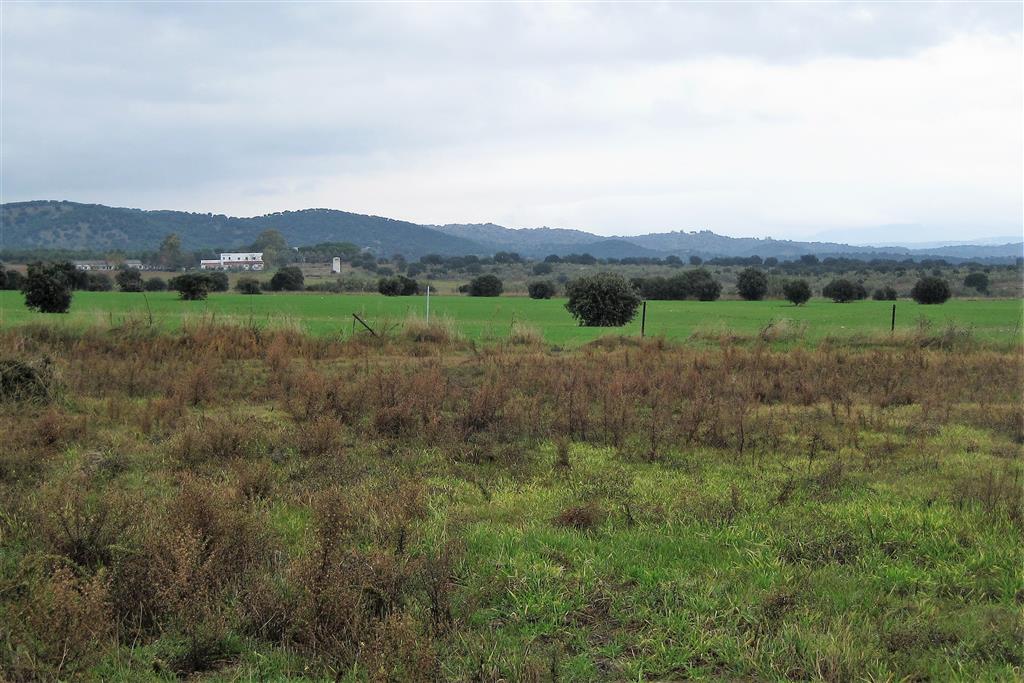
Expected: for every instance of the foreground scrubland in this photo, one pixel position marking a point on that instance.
(234, 502)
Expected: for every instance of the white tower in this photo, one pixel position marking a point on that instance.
(336, 264)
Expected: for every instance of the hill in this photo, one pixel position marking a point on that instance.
(706, 243)
(522, 240)
(71, 225)
(703, 243)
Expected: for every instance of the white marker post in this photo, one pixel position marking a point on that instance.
(428, 304)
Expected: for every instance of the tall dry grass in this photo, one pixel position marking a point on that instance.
(227, 479)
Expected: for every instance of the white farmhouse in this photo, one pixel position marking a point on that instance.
(93, 265)
(234, 261)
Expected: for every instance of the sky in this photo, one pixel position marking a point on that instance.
(862, 122)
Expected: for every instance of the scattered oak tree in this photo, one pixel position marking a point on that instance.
(931, 290)
(398, 286)
(46, 288)
(691, 284)
(248, 285)
(542, 289)
(841, 291)
(602, 300)
(191, 286)
(288, 279)
(219, 282)
(485, 285)
(701, 285)
(978, 281)
(752, 284)
(129, 280)
(797, 292)
(99, 282)
(884, 294)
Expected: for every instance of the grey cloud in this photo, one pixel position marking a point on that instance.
(167, 101)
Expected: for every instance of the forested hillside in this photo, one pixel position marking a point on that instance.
(69, 225)
(94, 227)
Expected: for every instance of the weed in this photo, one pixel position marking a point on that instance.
(999, 493)
(27, 382)
(586, 517)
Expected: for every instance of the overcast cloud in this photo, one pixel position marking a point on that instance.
(787, 120)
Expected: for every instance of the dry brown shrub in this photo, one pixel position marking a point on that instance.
(219, 438)
(81, 522)
(64, 627)
(482, 408)
(357, 607)
(56, 428)
(345, 605)
(208, 541)
(317, 437)
(999, 493)
(1003, 418)
(30, 382)
(184, 581)
(405, 402)
(587, 517)
(524, 334)
(398, 649)
(310, 392)
(254, 479)
(278, 353)
(199, 382)
(160, 415)
(441, 331)
(395, 506)
(235, 535)
(618, 415)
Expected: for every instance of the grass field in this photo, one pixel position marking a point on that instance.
(226, 503)
(997, 320)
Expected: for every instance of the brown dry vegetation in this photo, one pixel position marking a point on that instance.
(170, 501)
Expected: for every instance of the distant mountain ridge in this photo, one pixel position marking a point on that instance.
(702, 243)
(70, 225)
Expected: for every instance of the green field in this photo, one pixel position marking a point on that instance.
(997, 320)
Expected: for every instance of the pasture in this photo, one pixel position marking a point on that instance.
(484, 319)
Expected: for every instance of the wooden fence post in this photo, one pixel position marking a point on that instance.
(363, 324)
